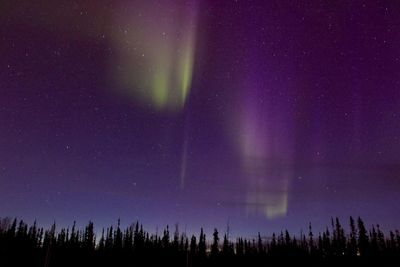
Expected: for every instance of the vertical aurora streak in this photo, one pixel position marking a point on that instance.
(156, 52)
(266, 145)
(184, 163)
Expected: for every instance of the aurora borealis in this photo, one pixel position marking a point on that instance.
(266, 114)
(156, 49)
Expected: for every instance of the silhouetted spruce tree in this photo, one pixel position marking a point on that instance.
(109, 240)
(246, 244)
(373, 236)
(89, 236)
(214, 246)
(398, 240)
(101, 245)
(340, 239)
(22, 230)
(33, 235)
(183, 246)
(381, 239)
(352, 246)
(40, 236)
(227, 249)
(61, 238)
(287, 239)
(12, 229)
(239, 247)
(392, 242)
(74, 236)
(165, 238)
(311, 244)
(48, 243)
(128, 238)
(320, 245)
(273, 242)
(202, 244)
(186, 249)
(118, 236)
(147, 240)
(326, 240)
(138, 238)
(303, 241)
(193, 246)
(281, 240)
(175, 242)
(363, 241)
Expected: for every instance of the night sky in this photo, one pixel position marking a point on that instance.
(266, 114)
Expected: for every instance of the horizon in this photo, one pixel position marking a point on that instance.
(266, 235)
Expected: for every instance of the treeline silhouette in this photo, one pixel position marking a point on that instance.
(24, 245)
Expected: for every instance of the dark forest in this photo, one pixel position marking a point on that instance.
(30, 245)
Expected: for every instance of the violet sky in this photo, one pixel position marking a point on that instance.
(266, 114)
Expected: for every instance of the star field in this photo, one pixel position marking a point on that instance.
(266, 114)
